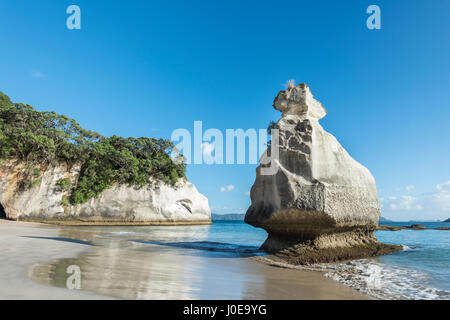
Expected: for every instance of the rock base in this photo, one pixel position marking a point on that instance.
(326, 248)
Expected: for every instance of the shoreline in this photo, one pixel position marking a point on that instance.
(20, 254)
(107, 223)
(128, 270)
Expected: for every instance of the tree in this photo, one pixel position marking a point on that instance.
(43, 137)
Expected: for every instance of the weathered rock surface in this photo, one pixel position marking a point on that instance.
(320, 199)
(156, 203)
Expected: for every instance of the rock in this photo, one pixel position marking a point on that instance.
(417, 227)
(321, 204)
(397, 228)
(390, 228)
(2, 212)
(412, 227)
(155, 203)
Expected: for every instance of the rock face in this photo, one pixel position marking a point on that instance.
(156, 203)
(320, 205)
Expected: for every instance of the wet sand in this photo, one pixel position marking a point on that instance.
(18, 253)
(35, 258)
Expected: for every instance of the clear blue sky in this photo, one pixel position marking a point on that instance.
(145, 68)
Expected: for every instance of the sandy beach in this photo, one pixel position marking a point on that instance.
(36, 257)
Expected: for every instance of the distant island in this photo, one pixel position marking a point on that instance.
(228, 217)
(448, 220)
(383, 219)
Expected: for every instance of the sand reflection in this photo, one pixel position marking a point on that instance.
(135, 266)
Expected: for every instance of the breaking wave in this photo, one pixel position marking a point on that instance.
(384, 281)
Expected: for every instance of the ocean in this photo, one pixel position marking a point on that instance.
(420, 271)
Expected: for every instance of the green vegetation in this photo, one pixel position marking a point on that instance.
(65, 201)
(270, 127)
(40, 138)
(31, 177)
(64, 184)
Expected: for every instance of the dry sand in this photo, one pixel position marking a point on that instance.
(35, 258)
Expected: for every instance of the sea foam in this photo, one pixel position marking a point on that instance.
(384, 281)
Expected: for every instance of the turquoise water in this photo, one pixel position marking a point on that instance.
(420, 271)
(426, 255)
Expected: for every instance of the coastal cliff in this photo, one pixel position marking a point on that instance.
(52, 170)
(321, 205)
(154, 203)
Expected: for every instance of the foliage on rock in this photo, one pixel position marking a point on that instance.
(39, 138)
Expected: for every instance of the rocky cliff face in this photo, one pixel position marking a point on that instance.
(320, 205)
(46, 200)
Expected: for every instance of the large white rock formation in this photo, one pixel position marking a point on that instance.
(320, 197)
(155, 203)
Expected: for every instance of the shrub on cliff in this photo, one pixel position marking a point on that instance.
(125, 160)
(41, 137)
